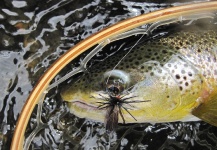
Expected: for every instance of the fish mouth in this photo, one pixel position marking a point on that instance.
(91, 111)
(93, 105)
(83, 105)
(89, 104)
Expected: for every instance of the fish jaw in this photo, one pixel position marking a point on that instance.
(148, 115)
(84, 110)
(84, 105)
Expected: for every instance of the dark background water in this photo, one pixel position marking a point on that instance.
(33, 34)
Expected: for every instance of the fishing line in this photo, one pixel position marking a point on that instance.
(124, 57)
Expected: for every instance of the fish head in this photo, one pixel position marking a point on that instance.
(89, 96)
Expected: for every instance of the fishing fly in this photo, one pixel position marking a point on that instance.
(114, 105)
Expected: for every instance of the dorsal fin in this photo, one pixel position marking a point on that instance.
(207, 111)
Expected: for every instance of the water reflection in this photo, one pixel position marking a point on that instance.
(32, 35)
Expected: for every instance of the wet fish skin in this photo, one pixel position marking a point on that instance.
(177, 73)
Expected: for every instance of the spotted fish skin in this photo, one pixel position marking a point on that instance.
(177, 73)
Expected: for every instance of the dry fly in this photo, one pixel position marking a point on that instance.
(114, 105)
(116, 102)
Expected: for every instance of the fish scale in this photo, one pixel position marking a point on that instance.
(176, 73)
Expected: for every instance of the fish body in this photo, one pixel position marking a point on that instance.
(177, 75)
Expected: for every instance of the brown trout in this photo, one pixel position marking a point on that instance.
(173, 78)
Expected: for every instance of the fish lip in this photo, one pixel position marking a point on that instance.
(84, 105)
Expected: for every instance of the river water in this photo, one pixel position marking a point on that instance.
(33, 34)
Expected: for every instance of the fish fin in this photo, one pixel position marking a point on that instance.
(207, 111)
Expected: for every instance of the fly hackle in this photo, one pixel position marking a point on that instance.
(116, 104)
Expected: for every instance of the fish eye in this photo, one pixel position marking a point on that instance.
(115, 81)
